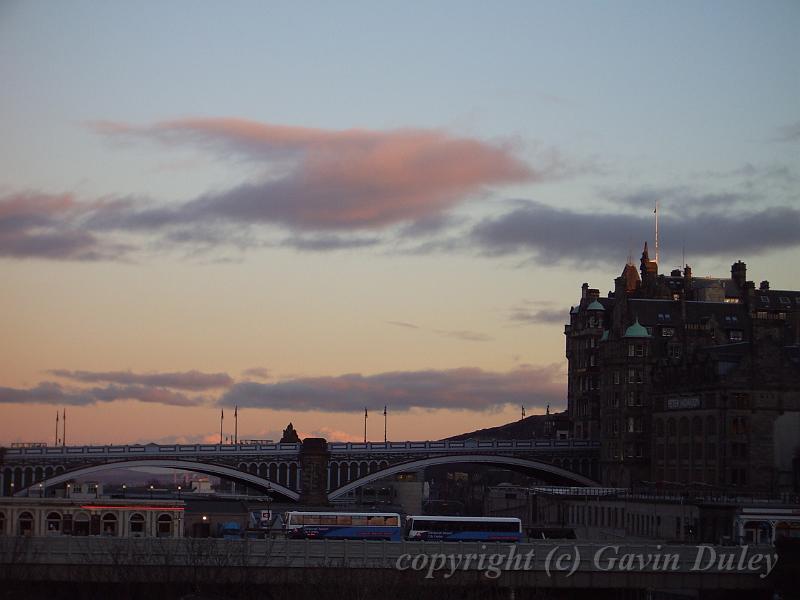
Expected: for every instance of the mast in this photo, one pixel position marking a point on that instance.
(655, 212)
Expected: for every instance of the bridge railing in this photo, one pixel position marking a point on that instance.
(462, 445)
(149, 450)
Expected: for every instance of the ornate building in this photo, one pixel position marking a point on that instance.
(689, 381)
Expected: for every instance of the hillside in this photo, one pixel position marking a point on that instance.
(523, 429)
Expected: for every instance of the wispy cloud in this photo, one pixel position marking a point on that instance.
(461, 334)
(464, 334)
(403, 324)
(530, 313)
(788, 133)
(53, 393)
(186, 380)
(36, 225)
(467, 388)
(256, 373)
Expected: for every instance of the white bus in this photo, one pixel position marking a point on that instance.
(454, 529)
(342, 525)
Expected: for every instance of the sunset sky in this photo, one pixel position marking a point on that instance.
(308, 208)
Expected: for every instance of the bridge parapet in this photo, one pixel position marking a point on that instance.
(148, 450)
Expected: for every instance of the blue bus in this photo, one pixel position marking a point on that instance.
(342, 526)
(463, 529)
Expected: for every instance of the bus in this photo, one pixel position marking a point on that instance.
(456, 529)
(342, 526)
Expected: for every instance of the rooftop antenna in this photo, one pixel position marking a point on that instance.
(655, 212)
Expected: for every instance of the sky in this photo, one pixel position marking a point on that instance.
(308, 209)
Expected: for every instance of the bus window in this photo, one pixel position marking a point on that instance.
(327, 520)
(360, 520)
(344, 520)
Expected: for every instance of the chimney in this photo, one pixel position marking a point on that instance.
(584, 291)
(739, 273)
(764, 286)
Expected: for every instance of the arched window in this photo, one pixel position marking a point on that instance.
(711, 425)
(282, 473)
(164, 526)
(2, 523)
(25, 524)
(53, 523)
(683, 426)
(659, 427)
(671, 426)
(80, 524)
(109, 524)
(293, 475)
(697, 426)
(136, 525)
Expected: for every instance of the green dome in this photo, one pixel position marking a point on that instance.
(636, 331)
(595, 306)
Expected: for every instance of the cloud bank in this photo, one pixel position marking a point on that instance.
(458, 389)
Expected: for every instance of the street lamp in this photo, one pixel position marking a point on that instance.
(124, 488)
(69, 486)
(41, 490)
(12, 488)
(179, 492)
(151, 491)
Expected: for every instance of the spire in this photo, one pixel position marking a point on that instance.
(645, 253)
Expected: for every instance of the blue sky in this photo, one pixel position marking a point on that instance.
(571, 119)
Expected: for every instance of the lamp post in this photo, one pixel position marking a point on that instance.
(124, 489)
(41, 490)
(69, 488)
(179, 492)
(12, 488)
(151, 491)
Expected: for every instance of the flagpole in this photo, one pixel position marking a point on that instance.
(221, 418)
(236, 425)
(384, 424)
(64, 429)
(56, 428)
(365, 424)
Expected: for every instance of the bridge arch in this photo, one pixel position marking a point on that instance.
(185, 465)
(511, 461)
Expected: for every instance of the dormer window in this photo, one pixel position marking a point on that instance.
(765, 299)
(784, 300)
(667, 331)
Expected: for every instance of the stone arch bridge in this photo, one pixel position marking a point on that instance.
(312, 472)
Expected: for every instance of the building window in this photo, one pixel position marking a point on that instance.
(667, 331)
(53, 523)
(616, 378)
(739, 425)
(25, 524)
(109, 524)
(634, 376)
(711, 425)
(2, 523)
(164, 526)
(634, 399)
(136, 525)
(635, 350)
(735, 335)
(674, 351)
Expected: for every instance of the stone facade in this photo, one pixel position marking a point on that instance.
(686, 380)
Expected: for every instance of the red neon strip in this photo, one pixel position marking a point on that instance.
(100, 507)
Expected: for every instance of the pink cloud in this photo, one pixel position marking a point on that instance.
(334, 179)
